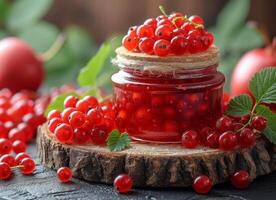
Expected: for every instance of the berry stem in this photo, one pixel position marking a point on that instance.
(252, 113)
(162, 9)
(54, 49)
(17, 166)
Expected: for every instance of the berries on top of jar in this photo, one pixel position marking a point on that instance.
(174, 34)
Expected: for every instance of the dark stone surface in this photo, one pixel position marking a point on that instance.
(44, 185)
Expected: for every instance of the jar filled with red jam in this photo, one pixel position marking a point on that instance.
(157, 99)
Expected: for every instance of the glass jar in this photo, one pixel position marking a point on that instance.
(158, 99)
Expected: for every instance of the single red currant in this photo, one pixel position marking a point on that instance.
(92, 101)
(146, 45)
(27, 166)
(16, 134)
(207, 40)
(151, 22)
(84, 106)
(202, 184)
(240, 179)
(162, 47)
(196, 19)
(64, 174)
(132, 31)
(66, 113)
(165, 22)
(246, 138)
(64, 133)
(187, 27)
(54, 114)
(224, 123)
(164, 32)
(178, 32)
(95, 115)
(160, 17)
(228, 140)
(5, 146)
(259, 123)
(99, 134)
(212, 140)
(190, 139)
(70, 101)
(9, 159)
(54, 123)
(145, 31)
(81, 136)
(77, 119)
(19, 146)
(19, 157)
(123, 183)
(28, 131)
(204, 133)
(179, 45)
(130, 43)
(5, 171)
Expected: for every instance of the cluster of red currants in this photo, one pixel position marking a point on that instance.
(82, 120)
(20, 115)
(228, 134)
(174, 34)
(22, 161)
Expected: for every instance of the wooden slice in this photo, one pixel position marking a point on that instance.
(155, 165)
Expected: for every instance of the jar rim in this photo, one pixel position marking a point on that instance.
(170, 63)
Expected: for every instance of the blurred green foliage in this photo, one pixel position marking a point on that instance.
(234, 36)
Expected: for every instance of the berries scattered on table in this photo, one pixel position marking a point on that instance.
(240, 179)
(5, 171)
(123, 183)
(64, 174)
(27, 166)
(202, 184)
(175, 34)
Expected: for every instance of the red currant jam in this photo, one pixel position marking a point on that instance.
(159, 106)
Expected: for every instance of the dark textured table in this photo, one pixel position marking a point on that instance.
(44, 185)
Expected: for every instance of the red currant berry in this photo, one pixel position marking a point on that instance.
(19, 157)
(179, 22)
(187, 27)
(240, 179)
(195, 44)
(190, 139)
(228, 141)
(16, 134)
(130, 43)
(179, 45)
(66, 113)
(54, 114)
(207, 40)
(3, 131)
(64, 174)
(175, 14)
(132, 31)
(202, 184)
(123, 183)
(28, 131)
(70, 102)
(54, 123)
(196, 19)
(92, 101)
(19, 146)
(95, 115)
(203, 133)
(9, 159)
(99, 134)
(151, 22)
(244, 119)
(5, 146)
(5, 171)
(31, 120)
(165, 22)
(212, 140)
(80, 136)
(77, 119)
(178, 32)
(146, 45)
(160, 17)
(84, 106)
(27, 166)
(145, 31)
(64, 133)
(246, 138)
(259, 123)
(162, 47)
(237, 127)
(224, 124)
(164, 32)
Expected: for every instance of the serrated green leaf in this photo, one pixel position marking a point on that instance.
(88, 74)
(40, 36)
(270, 130)
(263, 87)
(58, 102)
(232, 16)
(117, 141)
(240, 106)
(26, 12)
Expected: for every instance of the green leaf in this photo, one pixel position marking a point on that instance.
(26, 12)
(88, 75)
(240, 106)
(270, 130)
(4, 10)
(58, 102)
(117, 141)
(263, 86)
(232, 16)
(40, 36)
